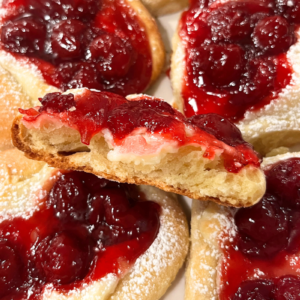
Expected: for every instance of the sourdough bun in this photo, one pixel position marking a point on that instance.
(209, 222)
(31, 79)
(185, 171)
(274, 125)
(24, 187)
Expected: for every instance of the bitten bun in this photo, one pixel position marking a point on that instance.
(185, 170)
(211, 226)
(272, 126)
(24, 186)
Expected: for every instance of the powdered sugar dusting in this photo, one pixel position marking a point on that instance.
(211, 226)
(282, 113)
(153, 272)
(21, 196)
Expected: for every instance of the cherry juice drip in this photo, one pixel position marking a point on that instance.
(236, 54)
(94, 111)
(263, 260)
(88, 227)
(83, 43)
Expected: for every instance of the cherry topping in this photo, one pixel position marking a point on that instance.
(273, 35)
(63, 9)
(290, 9)
(283, 179)
(11, 267)
(25, 35)
(288, 288)
(63, 258)
(220, 127)
(68, 197)
(76, 237)
(55, 102)
(294, 236)
(255, 290)
(230, 22)
(66, 39)
(223, 65)
(155, 115)
(113, 55)
(86, 76)
(263, 228)
(257, 83)
(79, 43)
(235, 55)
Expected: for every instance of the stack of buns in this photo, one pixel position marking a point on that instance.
(216, 192)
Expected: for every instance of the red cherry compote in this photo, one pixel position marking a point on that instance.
(263, 260)
(86, 228)
(99, 44)
(236, 54)
(91, 112)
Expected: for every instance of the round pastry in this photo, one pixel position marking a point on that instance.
(72, 235)
(51, 45)
(250, 253)
(142, 140)
(240, 59)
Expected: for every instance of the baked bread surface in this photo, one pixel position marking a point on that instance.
(209, 222)
(274, 125)
(185, 171)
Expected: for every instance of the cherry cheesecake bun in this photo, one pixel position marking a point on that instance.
(72, 235)
(240, 59)
(142, 140)
(249, 253)
(55, 45)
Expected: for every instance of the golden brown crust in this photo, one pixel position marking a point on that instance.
(64, 162)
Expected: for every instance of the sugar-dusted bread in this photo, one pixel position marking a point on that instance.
(202, 167)
(30, 78)
(25, 185)
(272, 126)
(212, 230)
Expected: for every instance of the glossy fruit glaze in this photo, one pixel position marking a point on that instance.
(263, 260)
(86, 228)
(91, 112)
(98, 44)
(236, 54)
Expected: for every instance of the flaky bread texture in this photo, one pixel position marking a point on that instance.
(24, 185)
(208, 223)
(275, 125)
(33, 83)
(185, 172)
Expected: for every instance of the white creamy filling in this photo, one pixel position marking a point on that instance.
(140, 147)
